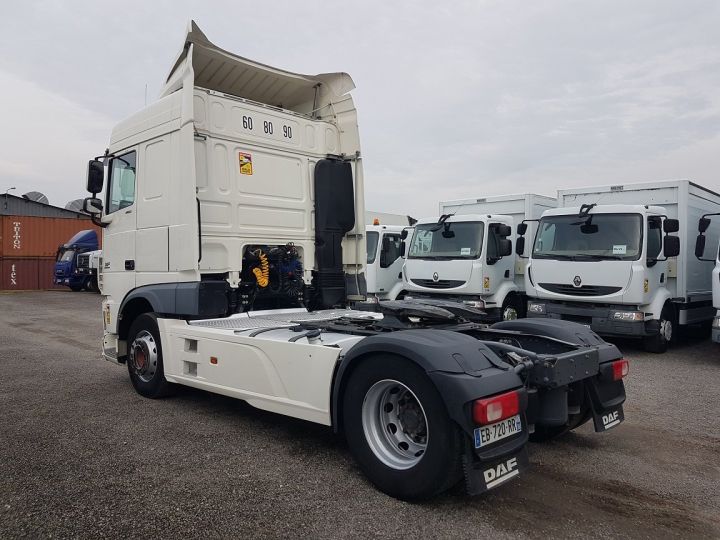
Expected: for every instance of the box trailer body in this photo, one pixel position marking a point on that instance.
(627, 287)
(384, 218)
(233, 242)
(495, 284)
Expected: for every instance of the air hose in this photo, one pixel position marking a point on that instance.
(262, 274)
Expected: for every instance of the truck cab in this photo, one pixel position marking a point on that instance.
(467, 258)
(384, 261)
(67, 271)
(700, 244)
(607, 267)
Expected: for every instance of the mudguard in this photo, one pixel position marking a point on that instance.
(461, 368)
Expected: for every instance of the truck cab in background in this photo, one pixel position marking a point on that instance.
(700, 247)
(623, 267)
(465, 258)
(67, 271)
(88, 265)
(383, 274)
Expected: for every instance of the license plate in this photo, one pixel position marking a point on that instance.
(487, 435)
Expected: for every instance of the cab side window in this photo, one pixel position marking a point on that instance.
(654, 241)
(391, 250)
(121, 183)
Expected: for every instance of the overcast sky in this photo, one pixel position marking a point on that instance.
(455, 99)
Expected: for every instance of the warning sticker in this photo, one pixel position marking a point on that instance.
(465, 251)
(245, 163)
(620, 250)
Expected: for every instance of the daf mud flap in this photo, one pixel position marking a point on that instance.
(482, 476)
(606, 400)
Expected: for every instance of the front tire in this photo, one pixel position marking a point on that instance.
(512, 308)
(398, 429)
(660, 342)
(145, 362)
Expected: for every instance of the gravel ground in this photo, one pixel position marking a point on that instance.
(84, 456)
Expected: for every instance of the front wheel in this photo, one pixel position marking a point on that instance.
(512, 308)
(659, 343)
(145, 362)
(398, 429)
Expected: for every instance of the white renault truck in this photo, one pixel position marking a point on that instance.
(232, 215)
(703, 225)
(619, 259)
(469, 258)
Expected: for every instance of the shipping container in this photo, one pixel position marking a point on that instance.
(19, 274)
(23, 236)
(46, 272)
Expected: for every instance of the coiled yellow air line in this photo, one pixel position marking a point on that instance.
(262, 274)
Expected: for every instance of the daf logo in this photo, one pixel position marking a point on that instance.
(436, 277)
(577, 281)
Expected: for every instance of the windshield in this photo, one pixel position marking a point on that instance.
(372, 242)
(66, 255)
(457, 240)
(593, 237)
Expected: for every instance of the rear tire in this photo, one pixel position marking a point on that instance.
(92, 285)
(144, 361)
(660, 342)
(398, 429)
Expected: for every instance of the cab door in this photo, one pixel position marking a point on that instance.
(657, 268)
(390, 263)
(120, 217)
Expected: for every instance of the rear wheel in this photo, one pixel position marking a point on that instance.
(660, 342)
(398, 429)
(145, 363)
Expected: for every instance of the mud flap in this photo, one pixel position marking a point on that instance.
(484, 476)
(608, 419)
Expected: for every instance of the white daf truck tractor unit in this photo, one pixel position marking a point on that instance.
(234, 240)
(609, 258)
(466, 255)
(703, 225)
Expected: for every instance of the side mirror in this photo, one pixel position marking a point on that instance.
(700, 246)
(521, 229)
(404, 234)
(520, 245)
(95, 176)
(671, 226)
(671, 246)
(703, 224)
(504, 231)
(402, 248)
(92, 206)
(504, 247)
(589, 228)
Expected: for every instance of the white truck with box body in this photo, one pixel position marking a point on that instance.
(700, 244)
(478, 272)
(233, 204)
(608, 257)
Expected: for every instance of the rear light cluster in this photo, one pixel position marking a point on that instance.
(620, 369)
(496, 408)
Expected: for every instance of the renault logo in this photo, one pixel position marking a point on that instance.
(436, 277)
(577, 281)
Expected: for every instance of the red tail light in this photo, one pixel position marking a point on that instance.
(496, 408)
(620, 369)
